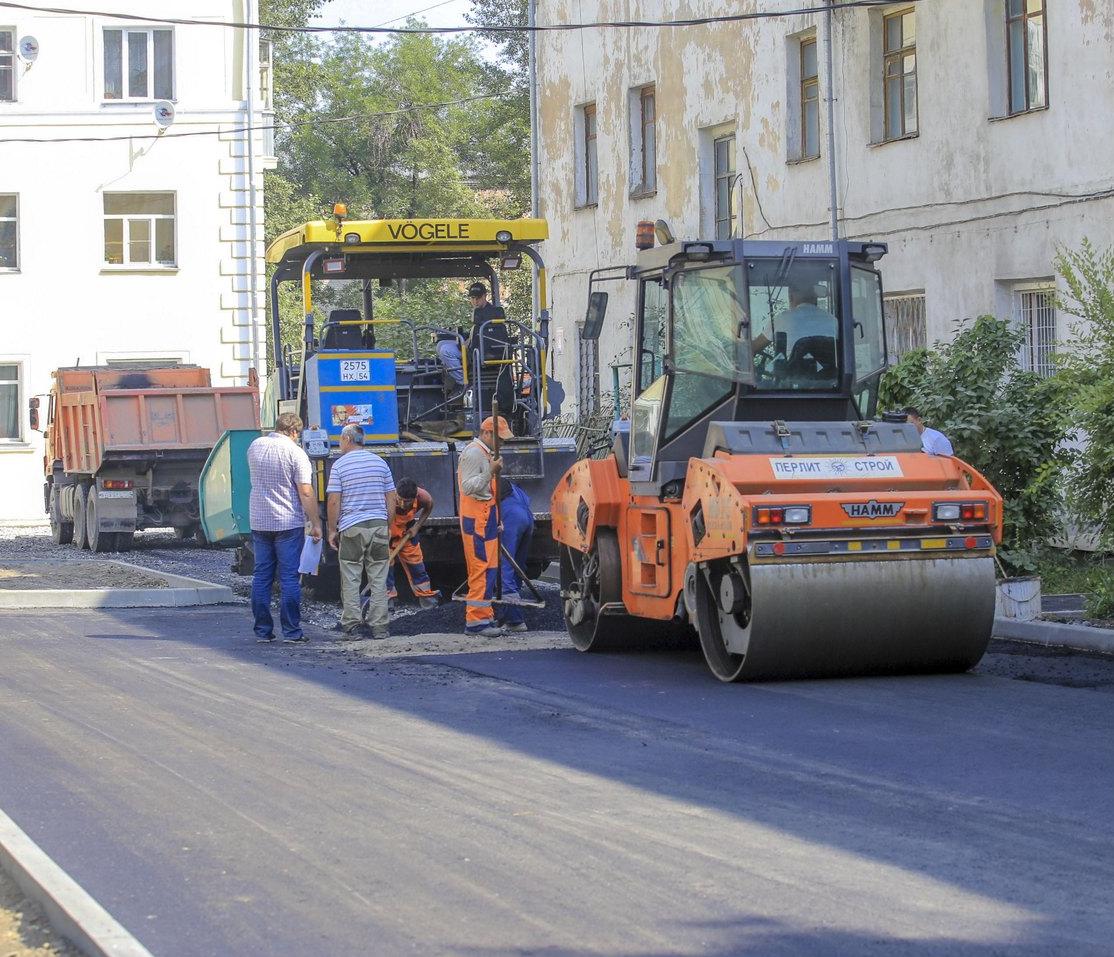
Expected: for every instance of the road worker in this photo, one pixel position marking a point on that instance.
(414, 507)
(477, 473)
(518, 531)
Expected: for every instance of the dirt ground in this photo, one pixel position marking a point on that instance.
(72, 575)
(24, 929)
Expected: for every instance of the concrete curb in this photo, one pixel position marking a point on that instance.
(1056, 634)
(181, 591)
(71, 911)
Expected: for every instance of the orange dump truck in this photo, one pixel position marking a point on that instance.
(125, 447)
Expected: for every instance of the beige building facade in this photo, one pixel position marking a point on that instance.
(972, 136)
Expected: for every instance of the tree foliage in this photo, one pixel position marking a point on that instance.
(1007, 423)
(1088, 371)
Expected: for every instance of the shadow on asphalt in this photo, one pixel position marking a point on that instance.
(936, 775)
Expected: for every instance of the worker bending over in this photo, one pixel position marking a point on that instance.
(518, 531)
(476, 476)
(414, 507)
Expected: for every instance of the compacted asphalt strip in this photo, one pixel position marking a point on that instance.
(223, 797)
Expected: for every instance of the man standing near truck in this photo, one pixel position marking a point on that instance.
(282, 503)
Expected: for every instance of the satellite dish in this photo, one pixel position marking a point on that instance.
(164, 113)
(28, 49)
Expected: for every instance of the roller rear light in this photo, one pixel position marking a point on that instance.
(960, 512)
(772, 515)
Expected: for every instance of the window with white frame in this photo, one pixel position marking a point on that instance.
(138, 64)
(587, 156)
(139, 229)
(1026, 59)
(723, 174)
(11, 402)
(267, 95)
(1035, 315)
(9, 231)
(899, 74)
(906, 326)
(7, 64)
(802, 135)
(643, 141)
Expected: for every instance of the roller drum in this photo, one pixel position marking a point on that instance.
(852, 618)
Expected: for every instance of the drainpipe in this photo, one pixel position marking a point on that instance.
(531, 20)
(833, 189)
(251, 48)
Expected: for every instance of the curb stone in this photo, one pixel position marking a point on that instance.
(1056, 634)
(70, 909)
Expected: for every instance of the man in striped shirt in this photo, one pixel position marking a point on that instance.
(361, 494)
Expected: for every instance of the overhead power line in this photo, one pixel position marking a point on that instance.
(294, 124)
(835, 5)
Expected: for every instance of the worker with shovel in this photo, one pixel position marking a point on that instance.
(477, 473)
(518, 531)
(414, 507)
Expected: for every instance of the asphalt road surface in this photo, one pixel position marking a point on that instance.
(221, 797)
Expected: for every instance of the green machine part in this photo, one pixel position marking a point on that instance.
(225, 489)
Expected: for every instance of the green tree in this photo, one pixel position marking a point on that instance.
(1007, 423)
(1088, 369)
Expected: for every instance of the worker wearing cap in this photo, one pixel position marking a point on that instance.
(405, 525)
(494, 336)
(477, 475)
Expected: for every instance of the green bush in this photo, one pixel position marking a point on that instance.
(1007, 423)
(1088, 371)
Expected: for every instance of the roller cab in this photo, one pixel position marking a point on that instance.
(755, 499)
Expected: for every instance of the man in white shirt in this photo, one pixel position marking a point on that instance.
(361, 494)
(281, 507)
(932, 442)
(804, 319)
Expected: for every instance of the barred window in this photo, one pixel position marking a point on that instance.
(588, 379)
(906, 328)
(1035, 313)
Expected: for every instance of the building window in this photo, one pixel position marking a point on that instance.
(1026, 63)
(906, 328)
(138, 64)
(9, 231)
(644, 143)
(1035, 314)
(139, 229)
(899, 74)
(11, 402)
(587, 156)
(7, 64)
(588, 378)
(810, 100)
(723, 164)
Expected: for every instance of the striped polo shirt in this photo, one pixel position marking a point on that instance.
(363, 480)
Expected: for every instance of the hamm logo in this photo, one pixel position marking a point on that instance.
(873, 509)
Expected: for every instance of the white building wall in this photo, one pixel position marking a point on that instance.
(64, 305)
(969, 206)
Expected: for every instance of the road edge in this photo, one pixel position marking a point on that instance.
(69, 908)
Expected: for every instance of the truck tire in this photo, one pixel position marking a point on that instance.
(99, 541)
(80, 532)
(61, 531)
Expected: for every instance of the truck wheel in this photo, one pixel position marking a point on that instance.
(61, 531)
(81, 535)
(99, 541)
(588, 583)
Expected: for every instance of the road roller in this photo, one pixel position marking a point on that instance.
(752, 496)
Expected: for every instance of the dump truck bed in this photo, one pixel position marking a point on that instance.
(112, 414)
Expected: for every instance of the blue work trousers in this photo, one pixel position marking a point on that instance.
(518, 531)
(277, 552)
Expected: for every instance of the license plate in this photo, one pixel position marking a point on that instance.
(355, 370)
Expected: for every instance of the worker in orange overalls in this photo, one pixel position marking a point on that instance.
(412, 499)
(477, 473)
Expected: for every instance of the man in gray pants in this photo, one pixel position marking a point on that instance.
(361, 494)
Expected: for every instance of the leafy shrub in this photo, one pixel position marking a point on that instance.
(1007, 423)
(1088, 371)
